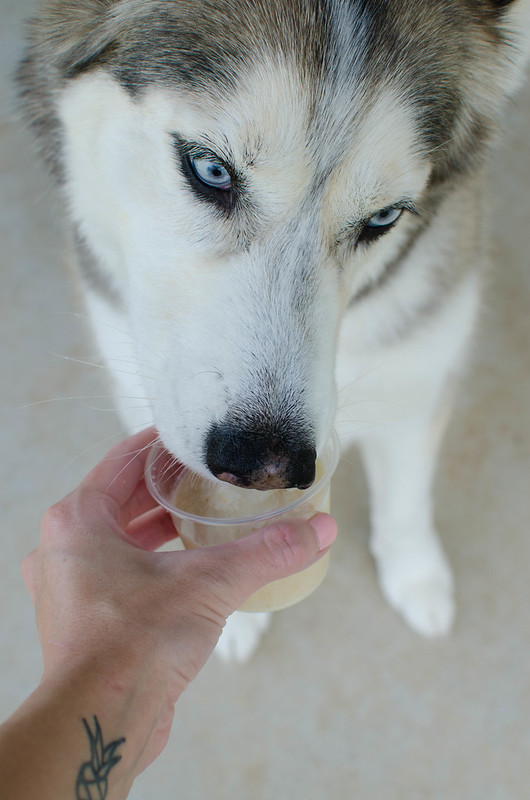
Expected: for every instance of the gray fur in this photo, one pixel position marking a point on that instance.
(434, 53)
(427, 48)
(391, 267)
(96, 279)
(242, 383)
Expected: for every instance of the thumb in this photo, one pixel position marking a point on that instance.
(277, 551)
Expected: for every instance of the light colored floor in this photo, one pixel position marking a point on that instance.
(342, 701)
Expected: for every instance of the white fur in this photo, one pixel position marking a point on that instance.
(198, 318)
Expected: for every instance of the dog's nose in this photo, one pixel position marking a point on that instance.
(259, 460)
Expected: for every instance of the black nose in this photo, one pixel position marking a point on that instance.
(259, 459)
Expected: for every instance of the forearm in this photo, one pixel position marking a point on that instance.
(84, 736)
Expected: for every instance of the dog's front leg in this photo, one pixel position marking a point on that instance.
(398, 406)
(241, 636)
(414, 574)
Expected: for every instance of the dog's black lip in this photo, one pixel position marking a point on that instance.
(247, 483)
(227, 477)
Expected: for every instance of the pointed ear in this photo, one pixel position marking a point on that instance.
(62, 39)
(73, 35)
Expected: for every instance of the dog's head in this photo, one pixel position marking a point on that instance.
(241, 171)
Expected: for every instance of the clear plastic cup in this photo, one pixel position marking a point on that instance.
(210, 512)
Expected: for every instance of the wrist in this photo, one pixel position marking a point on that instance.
(128, 668)
(69, 739)
(116, 691)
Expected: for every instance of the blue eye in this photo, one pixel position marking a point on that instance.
(385, 218)
(379, 224)
(211, 173)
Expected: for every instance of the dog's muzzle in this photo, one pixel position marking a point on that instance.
(260, 459)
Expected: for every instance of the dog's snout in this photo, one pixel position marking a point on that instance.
(258, 459)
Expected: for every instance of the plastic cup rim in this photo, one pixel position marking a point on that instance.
(332, 441)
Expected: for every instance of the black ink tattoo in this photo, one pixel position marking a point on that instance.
(92, 779)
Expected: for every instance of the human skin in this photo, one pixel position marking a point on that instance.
(124, 629)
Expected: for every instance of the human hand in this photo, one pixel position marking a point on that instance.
(141, 619)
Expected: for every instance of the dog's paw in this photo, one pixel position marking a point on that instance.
(241, 636)
(427, 605)
(419, 585)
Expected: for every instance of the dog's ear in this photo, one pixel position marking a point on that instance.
(64, 38)
(70, 36)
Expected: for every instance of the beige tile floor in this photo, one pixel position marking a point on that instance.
(342, 701)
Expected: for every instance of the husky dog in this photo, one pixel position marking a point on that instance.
(271, 199)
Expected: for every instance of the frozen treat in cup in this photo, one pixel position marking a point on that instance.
(209, 512)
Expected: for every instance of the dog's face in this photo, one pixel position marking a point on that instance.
(242, 176)
(237, 233)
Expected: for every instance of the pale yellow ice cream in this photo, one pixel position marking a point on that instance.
(211, 498)
(223, 501)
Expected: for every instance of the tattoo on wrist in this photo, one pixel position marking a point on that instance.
(92, 779)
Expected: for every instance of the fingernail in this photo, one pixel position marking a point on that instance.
(325, 528)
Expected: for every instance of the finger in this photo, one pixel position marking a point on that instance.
(119, 472)
(140, 502)
(238, 569)
(152, 530)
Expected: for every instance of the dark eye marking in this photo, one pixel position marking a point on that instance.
(379, 224)
(372, 228)
(209, 176)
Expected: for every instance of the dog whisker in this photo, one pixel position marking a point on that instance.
(134, 455)
(87, 397)
(117, 435)
(347, 386)
(89, 363)
(207, 372)
(173, 464)
(356, 428)
(112, 409)
(129, 338)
